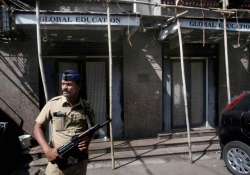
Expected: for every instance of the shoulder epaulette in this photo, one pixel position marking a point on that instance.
(55, 98)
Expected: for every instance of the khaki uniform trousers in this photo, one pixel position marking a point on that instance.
(77, 169)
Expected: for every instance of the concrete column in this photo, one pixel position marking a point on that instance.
(142, 82)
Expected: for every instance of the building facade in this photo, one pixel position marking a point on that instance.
(147, 84)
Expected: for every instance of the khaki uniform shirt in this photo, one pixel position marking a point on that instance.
(67, 120)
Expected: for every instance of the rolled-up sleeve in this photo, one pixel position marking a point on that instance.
(44, 115)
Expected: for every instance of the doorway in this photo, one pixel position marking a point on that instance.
(195, 82)
(200, 77)
(94, 71)
(93, 85)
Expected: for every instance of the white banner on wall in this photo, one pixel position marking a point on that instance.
(72, 19)
(214, 25)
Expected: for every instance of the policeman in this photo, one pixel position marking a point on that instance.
(69, 115)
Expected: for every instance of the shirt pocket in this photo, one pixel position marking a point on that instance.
(58, 122)
(77, 121)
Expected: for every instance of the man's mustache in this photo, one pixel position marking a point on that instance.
(65, 92)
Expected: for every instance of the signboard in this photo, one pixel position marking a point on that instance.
(215, 25)
(72, 19)
(195, 3)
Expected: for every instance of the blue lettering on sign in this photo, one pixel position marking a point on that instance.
(72, 19)
(216, 25)
(55, 19)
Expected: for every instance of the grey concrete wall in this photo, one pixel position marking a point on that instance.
(85, 7)
(149, 9)
(95, 6)
(192, 13)
(142, 84)
(19, 97)
(239, 70)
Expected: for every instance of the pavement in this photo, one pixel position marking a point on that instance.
(203, 164)
(208, 164)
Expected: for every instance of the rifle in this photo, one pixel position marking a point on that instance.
(71, 148)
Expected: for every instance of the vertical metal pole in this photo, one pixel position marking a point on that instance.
(184, 90)
(226, 54)
(207, 76)
(39, 50)
(134, 7)
(110, 86)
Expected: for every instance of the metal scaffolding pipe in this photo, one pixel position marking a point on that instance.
(226, 60)
(226, 54)
(218, 10)
(184, 89)
(110, 87)
(134, 7)
(39, 50)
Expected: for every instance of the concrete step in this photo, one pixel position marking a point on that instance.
(144, 148)
(195, 132)
(197, 135)
(166, 140)
(35, 152)
(171, 151)
(154, 143)
(163, 140)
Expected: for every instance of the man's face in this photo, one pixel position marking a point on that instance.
(70, 89)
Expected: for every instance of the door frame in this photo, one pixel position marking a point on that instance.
(118, 120)
(167, 90)
(187, 63)
(81, 64)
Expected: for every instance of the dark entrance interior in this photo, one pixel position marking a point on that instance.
(201, 82)
(88, 53)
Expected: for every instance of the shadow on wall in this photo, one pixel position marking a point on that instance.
(10, 148)
(17, 65)
(19, 95)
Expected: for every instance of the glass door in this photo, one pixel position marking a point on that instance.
(96, 91)
(196, 96)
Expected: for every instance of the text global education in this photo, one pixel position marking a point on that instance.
(78, 19)
(215, 25)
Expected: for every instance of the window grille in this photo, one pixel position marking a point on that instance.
(4, 20)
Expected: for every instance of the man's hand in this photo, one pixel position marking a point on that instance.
(84, 144)
(51, 154)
